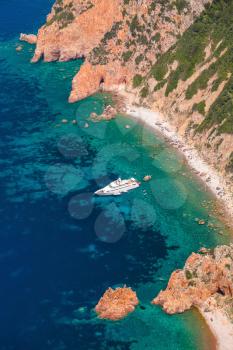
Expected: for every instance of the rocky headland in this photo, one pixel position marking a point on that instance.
(117, 303)
(205, 282)
(117, 38)
(206, 274)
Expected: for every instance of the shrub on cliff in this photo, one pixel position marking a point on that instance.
(137, 80)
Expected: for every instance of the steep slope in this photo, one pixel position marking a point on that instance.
(192, 84)
(117, 38)
(74, 28)
(147, 29)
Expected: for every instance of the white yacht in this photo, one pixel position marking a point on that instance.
(118, 187)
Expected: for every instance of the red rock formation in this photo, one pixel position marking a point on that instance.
(203, 276)
(117, 39)
(116, 304)
(29, 38)
(64, 40)
(108, 114)
(91, 77)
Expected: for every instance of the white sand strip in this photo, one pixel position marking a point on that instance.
(209, 175)
(220, 326)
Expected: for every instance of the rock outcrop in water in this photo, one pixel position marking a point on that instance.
(117, 303)
(109, 113)
(205, 275)
(29, 38)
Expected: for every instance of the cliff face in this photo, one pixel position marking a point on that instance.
(174, 55)
(192, 85)
(74, 28)
(205, 275)
(144, 31)
(117, 38)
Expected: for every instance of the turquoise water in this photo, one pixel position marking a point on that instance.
(61, 247)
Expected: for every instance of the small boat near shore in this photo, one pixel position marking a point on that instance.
(116, 188)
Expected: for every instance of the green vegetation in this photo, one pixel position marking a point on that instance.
(144, 92)
(88, 7)
(188, 274)
(230, 163)
(112, 33)
(215, 28)
(221, 112)
(139, 59)
(126, 55)
(156, 37)
(137, 80)
(63, 14)
(200, 107)
(160, 85)
(181, 5)
(99, 54)
(135, 26)
(158, 71)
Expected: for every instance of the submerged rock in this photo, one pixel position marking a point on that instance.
(201, 222)
(108, 114)
(19, 48)
(117, 303)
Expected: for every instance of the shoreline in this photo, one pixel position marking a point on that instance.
(220, 326)
(205, 173)
(216, 319)
(208, 175)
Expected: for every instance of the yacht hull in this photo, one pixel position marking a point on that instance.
(108, 191)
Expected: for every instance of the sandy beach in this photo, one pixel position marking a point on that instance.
(208, 175)
(220, 326)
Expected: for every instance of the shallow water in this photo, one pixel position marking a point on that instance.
(61, 247)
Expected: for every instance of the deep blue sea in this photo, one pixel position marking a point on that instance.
(61, 247)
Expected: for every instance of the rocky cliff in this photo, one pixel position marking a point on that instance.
(74, 28)
(117, 38)
(174, 55)
(192, 84)
(206, 274)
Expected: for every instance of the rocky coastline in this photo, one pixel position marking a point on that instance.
(119, 58)
(218, 183)
(205, 282)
